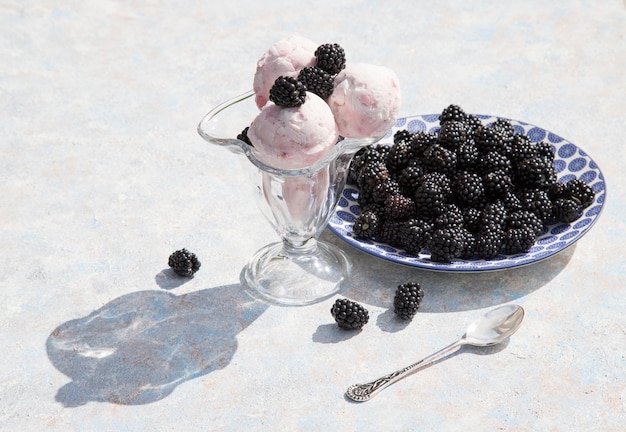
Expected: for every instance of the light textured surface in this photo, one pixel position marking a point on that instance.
(102, 176)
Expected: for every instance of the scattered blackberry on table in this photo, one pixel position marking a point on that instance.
(518, 240)
(243, 136)
(580, 191)
(366, 225)
(317, 80)
(184, 263)
(407, 300)
(330, 57)
(452, 113)
(349, 315)
(566, 210)
(288, 92)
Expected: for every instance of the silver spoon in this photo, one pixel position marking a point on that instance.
(491, 329)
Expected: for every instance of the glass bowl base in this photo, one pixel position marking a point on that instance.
(282, 277)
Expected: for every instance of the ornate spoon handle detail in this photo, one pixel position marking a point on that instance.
(366, 391)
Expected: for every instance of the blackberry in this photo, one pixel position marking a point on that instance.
(504, 128)
(414, 235)
(580, 191)
(361, 158)
(437, 158)
(366, 225)
(511, 202)
(467, 188)
(537, 172)
(497, 184)
(407, 300)
(330, 57)
(469, 249)
(390, 232)
(402, 135)
(439, 179)
(489, 241)
(472, 219)
(399, 207)
(557, 190)
(524, 219)
(450, 216)
(349, 315)
(409, 178)
(243, 136)
(288, 92)
(518, 240)
(494, 161)
(452, 134)
(467, 156)
(545, 150)
(472, 123)
(421, 141)
(522, 148)
(446, 244)
(429, 199)
(317, 80)
(494, 213)
(373, 173)
(490, 140)
(567, 210)
(382, 190)
(452, 113)
(184, 263)
(537, 202)
(398, 157)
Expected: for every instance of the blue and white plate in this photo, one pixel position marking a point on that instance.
(570, 162)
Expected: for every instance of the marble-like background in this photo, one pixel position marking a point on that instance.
(102, 176)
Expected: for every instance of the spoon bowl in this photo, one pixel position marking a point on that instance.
(491, 329)
(495, 326)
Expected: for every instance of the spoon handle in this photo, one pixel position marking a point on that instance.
(366, 391)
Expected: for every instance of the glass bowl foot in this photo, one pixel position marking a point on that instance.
(284, 276)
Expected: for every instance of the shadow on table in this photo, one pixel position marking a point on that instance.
(375, 280)
(137, 348)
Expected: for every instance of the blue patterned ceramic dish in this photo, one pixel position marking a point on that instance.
(570, 162)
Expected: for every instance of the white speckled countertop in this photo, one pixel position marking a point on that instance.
(102, 176)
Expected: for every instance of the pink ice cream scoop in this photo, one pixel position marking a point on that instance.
(285, 58)
(293, 138)
(365, 101)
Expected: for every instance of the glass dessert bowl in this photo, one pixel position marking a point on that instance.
(300, 269)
